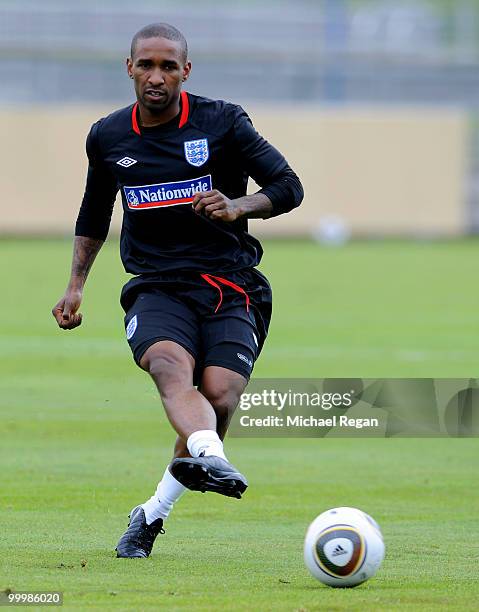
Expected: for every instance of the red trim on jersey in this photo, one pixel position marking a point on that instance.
(159, 204)
(134, 120)
(185, 109)
(209, 279)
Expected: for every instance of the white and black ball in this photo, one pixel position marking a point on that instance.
(343, 547)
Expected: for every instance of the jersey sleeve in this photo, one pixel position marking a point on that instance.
(266, 165)
(94, 218)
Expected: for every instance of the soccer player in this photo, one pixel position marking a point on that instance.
(197, 310)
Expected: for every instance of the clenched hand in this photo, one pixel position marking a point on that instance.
(215, 205)
(65, 312)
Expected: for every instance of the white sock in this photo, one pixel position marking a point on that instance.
(168, 491)
(206, 442)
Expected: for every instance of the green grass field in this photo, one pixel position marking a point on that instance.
(84, 438)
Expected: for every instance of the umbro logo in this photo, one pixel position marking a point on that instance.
(245, 359)
(339, 550)
(126, 162)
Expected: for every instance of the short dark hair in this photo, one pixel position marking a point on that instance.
(160, 30)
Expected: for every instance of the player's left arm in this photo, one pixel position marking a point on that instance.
(281, 189)
(218, 206)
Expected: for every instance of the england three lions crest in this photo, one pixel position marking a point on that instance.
(196, 151)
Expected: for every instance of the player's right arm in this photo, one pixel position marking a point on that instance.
(91, 230)
(66, 310)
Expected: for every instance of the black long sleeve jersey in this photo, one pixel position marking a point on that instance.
(210, 145)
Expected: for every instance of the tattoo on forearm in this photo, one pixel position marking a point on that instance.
(257, 206)
(84, 252)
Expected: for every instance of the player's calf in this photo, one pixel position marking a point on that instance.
(222, 388)
(208, 468)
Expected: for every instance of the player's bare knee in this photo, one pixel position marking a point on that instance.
(221, 397)
(169, 367)
(163, 362)
(224, 400)
(223, 390)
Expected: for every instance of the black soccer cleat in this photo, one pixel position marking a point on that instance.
(209, 474)
(138, 539)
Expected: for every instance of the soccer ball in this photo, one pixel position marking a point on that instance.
(343, 547)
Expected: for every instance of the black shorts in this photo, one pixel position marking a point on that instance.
(219, 319)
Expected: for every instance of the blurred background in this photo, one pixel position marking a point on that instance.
(374, 102)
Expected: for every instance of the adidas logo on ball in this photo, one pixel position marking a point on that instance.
(343, 547)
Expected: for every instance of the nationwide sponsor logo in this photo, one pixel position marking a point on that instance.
(126, 162)
(165, 194)
(197, 151)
